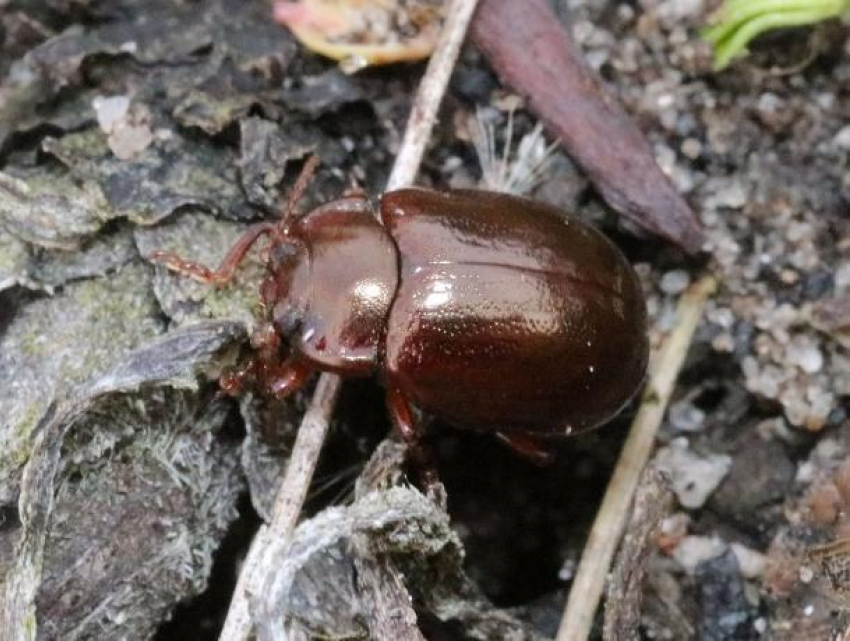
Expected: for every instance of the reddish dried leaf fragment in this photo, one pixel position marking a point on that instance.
(364, 32)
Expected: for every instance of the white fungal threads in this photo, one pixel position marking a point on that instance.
(507, 172)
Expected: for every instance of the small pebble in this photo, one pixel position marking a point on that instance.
(129, 139)
(110, 111)
(675, 11)
(842, 277)
(684, 416)
(128, 130)
(729, 194)
(769, 103)
(675, 281)
(789, 276)
(691, 148)
(676, 525)
(752, 563)
(567, 571)
(693, 477)
(722, 316)
(723, 343)
(804, 352)
(821, 402)
(693, 550)
(842, 138)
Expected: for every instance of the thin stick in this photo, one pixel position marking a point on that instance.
(423, 115)
(287, 504)
(314, 427)
(608, 527)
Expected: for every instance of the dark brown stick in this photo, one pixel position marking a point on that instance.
(533, 53)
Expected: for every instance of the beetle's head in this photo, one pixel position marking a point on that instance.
(286, 288)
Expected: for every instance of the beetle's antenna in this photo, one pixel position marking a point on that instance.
(279, 237)
(298, 189)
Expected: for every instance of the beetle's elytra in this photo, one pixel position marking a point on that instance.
(493, 312)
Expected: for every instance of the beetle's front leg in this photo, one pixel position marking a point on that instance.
(264, 369)
(418, 452)
(280, 381)
(224, 273)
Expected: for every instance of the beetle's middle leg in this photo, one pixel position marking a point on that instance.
(288, 377)
(418, 452)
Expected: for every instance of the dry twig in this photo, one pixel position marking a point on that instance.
(311, 434)
(653, 503)
(287, 504)
(423, 114)
(608, 526)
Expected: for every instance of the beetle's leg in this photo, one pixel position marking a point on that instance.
(418, 452)
(233, 381)
(534, 450)
(288, 377)
(401, 415)
(228, 265)
(265, 341)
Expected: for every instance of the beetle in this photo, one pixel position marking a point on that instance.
(492, 312)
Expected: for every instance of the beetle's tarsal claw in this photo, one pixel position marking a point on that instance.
(233, 382)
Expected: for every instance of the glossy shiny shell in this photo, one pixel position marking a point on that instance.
(339, 288)
(509, 315)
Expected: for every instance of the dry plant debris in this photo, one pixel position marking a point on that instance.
(360, 33)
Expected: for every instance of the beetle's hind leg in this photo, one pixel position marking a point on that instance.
(419, 453)
(533, 449)
(225, 271)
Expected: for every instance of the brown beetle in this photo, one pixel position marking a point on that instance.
(493, 312)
